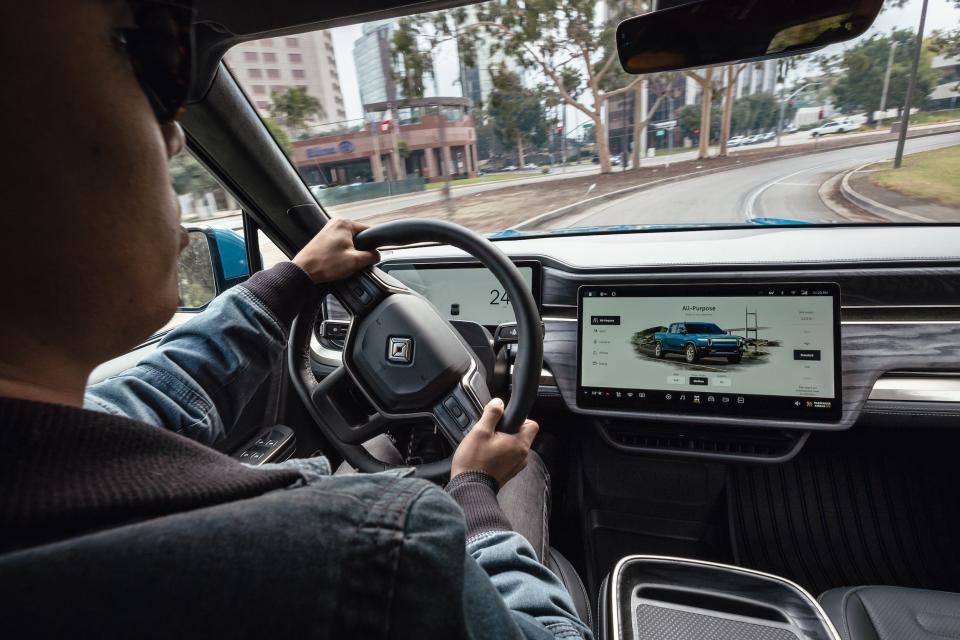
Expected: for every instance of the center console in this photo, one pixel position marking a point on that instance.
(660, 598)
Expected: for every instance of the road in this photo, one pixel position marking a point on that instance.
(785, 188)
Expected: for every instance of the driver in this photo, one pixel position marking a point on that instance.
(110, 525)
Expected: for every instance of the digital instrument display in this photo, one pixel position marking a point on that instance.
(465, 291)
(768, 350)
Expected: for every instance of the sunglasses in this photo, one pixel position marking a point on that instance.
(160, 46)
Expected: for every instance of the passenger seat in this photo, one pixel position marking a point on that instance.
(893, 613)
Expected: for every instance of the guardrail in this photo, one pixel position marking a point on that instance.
(367, 190)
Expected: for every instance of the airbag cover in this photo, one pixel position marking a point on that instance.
(438, 358)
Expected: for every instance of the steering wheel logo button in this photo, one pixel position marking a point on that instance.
(400, 350)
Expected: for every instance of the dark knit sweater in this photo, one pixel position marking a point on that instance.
(66, 471)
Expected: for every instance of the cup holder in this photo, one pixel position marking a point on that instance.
(660, 598)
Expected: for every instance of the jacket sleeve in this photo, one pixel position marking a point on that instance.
(201, 375)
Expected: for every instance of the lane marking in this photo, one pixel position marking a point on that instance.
(750, 202)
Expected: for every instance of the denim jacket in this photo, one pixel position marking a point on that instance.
(197, 381)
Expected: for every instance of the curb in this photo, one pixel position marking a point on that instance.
(869, 204)
(584, 205)
(839, 204)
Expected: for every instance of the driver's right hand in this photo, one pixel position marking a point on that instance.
(501, 455)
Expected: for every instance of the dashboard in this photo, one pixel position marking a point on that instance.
(875, 338)
(464, 291)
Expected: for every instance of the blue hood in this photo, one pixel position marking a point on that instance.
(516, 233)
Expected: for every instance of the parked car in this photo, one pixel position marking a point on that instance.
(531, 165)
(696, 340)
(834, 126)
(736, 141)
(510, 167)
(769, 135)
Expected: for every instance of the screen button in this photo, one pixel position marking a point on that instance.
(699, 380)
(739, 399)
(722, 381)
(605, 320)
(676, 378)
(806, 354)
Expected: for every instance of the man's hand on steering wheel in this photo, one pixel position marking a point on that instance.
(331, 256)
(502, 455)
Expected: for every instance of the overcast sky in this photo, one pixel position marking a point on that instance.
(941, 14)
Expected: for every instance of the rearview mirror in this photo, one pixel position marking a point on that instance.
(714, 32)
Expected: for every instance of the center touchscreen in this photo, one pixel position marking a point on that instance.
(768, 350)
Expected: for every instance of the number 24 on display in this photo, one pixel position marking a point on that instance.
(498, 297)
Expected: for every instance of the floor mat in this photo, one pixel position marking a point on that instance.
(849, 512)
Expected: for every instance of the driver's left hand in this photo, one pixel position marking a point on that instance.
(331, 256)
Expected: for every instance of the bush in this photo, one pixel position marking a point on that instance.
(544, 169)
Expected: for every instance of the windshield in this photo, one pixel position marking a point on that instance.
(703, 328)
(516, 117)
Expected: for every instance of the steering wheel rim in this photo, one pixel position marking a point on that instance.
(526, 370)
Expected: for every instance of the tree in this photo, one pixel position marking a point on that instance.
(486, 138)
(416, 40)
(190, 177)
(294, 107)
(518, 113)
(705, 80)
(280, 135)
(731, 73)
(947, 43)
(862, 69)
(658, 86)
(758, 112)
(690, 117)
(571, 45)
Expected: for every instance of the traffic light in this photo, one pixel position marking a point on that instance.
(696, 131)
(385, 126)
(559, 128)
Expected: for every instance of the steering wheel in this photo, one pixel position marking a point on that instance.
(404, 359)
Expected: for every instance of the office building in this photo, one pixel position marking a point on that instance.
(273, 65)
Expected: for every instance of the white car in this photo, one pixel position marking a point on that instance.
(834, 126)
(510, 167)
(736, 141)
(530, 165)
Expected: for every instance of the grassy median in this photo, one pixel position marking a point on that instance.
(931, 175)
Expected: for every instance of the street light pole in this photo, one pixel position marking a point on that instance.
(670, 131)
(783, 106)
(886, 82)
(905, 120)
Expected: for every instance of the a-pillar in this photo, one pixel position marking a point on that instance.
(377, 167)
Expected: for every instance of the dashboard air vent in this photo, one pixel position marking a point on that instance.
(755, 444)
